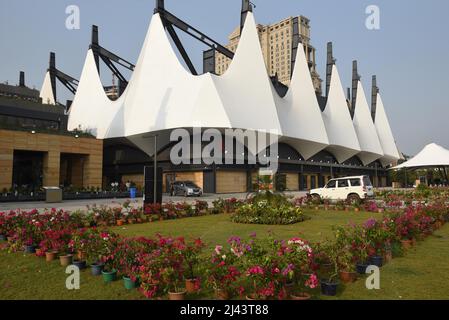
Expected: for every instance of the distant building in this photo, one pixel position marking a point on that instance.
(276, 42)
(36, 150)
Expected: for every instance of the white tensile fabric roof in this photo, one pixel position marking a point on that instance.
(302, 124)
(46, 93)
(385, 134)
(162, 95)
(366, 131)
(343, 140)
(432, 155)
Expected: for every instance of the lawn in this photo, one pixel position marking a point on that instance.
(420, 274)
(217, 229)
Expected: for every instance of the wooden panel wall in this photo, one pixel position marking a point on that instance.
(231, 182)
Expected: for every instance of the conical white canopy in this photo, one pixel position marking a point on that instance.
(343, 140)
(91, 109)
(385, 134)
(245, 88)
(433, 155)
(299, 112)
(46, 93)
(366, 131)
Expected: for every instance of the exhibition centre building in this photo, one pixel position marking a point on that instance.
(317, 136)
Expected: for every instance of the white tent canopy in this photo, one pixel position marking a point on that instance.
(432, 155)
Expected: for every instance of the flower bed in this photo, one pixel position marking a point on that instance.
(254, 269)
(268, 208)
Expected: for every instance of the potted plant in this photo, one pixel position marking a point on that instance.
(329, 284)
(304, 283)
(173, 279)
(347, 266)
(192, 254)
(3, 227)
(65, 257)
(298, 268)
(171, 269)
(109, 271)
(49, 246)
(222, 273)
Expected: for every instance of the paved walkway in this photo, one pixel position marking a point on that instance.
(73, 205)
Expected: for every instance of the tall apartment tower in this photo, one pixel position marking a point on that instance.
(276, 41)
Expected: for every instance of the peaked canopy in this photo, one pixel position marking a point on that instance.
(46, 93)
(162, 95)
(366, 131)
(431, 156)
(385, 134)
(343, 140)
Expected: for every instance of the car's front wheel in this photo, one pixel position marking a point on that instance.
(316, 197)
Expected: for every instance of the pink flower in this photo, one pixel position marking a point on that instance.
(218, 249)
(312, 282)
(256, 270)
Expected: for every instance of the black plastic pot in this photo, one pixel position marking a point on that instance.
(377, 261)
(329, 288)
(96, 269)
(361, 268)
(30, 249)
(80, 264)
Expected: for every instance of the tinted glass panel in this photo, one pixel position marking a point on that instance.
(331, 184)
(355, 182)
(343, 183)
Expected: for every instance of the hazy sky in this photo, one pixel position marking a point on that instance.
(409, 54)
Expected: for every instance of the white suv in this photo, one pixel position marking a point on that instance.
(352, 189)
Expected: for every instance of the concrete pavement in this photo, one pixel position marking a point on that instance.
(73, 205)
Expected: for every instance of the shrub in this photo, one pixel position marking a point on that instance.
(268, 208)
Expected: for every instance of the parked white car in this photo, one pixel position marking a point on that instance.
(353, 189)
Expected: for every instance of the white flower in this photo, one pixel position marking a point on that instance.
(223, 257)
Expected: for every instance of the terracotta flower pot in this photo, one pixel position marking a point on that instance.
(252, 297)
(301, 296)
(39, 252)
(50, 256)
(348, 277)
(407, 244)
(176, 296)
(357, 209)
(81, 255)
(120, 223)
(221, 294)
(66, 260)
(191, 285)
(388, 256)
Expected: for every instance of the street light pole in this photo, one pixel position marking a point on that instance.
(155, 171)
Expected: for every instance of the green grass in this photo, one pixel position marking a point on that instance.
(217, 229)
(420, 274)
